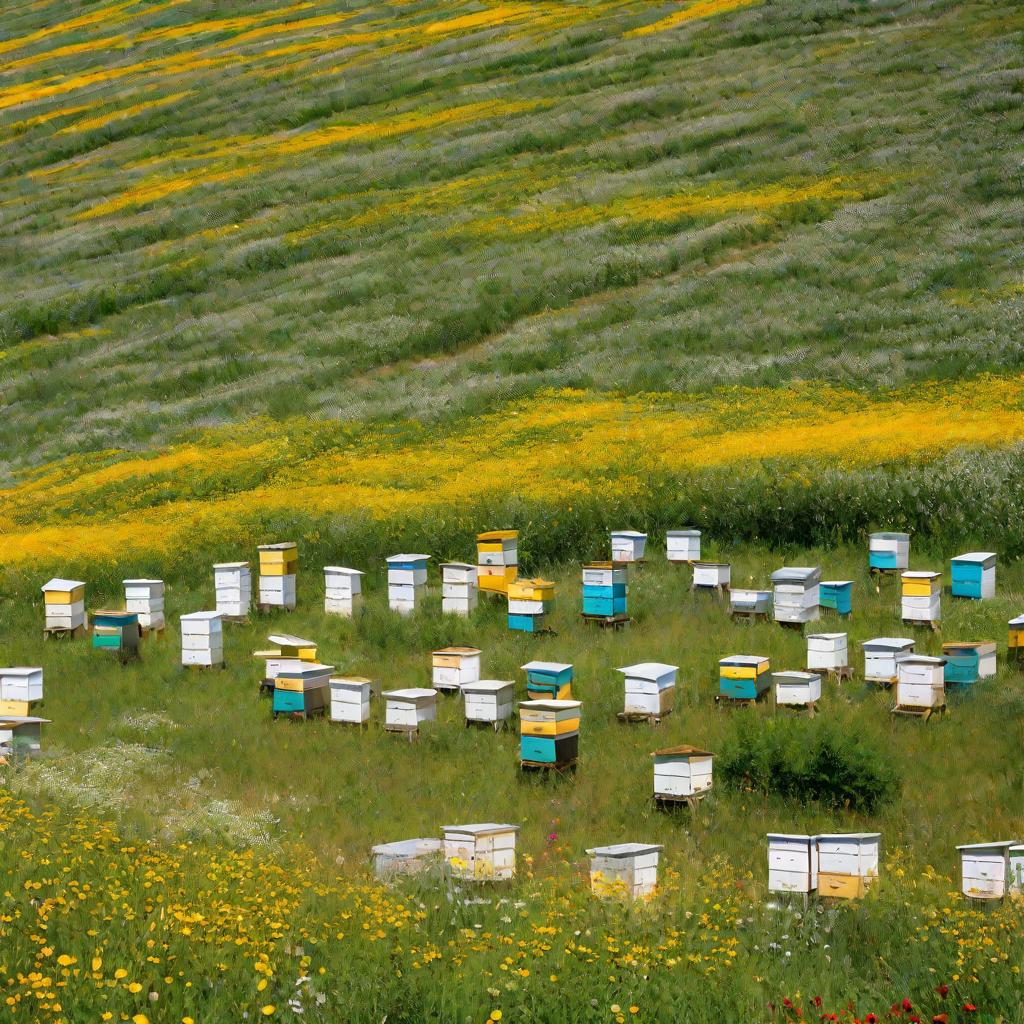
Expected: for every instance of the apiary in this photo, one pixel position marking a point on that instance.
(796, 594)
(343, 590)
(625, 869)
(407, 582)
(682, 545)
(481, 853)
(146, 599)
(974, 575)
(350, 699)
(682, 773)
(202, 639)
(743, 677)
(628, 546)
(232, 584)
(548, 680)
(847, 864)
(453, 667)
(459, 588)
(64, 604)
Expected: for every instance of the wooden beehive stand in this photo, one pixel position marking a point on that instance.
(63, 633)
(411, 732)
(797, 627)
(810, 709)
(206, 668)
(878, 575)
(299, 716)
(738, 702)
(931, 624)
(663, 802)
(156, 632)
(499, 726)
(743, 615)
(837, 675)
(550, 768)
(651, 717)
(918, 712)
(607, 621)
(264, 609)
(720, 590)
(242, 619)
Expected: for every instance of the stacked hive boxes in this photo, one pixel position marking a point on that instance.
(302, 688)
(406, 857)
(548, 680)
(453, 667)
(743, 677)
(968, 662)
(350, 699)
(406, 710)
(682, 545)
(797, 594)
(792, 863)
(836, 596)
(604, 589)
(529, 602)
(459, 588)
(708, 576)
(481, 853)
(625, 869)
(797, 689)
(921, 597)
(827, 651)
(974, 575)
(232, 584)
(116, 631)
(407, 582)
(682, 773)
(750, 602)
(497, 559)
(889, 551)
(489, 701)
(343, 590)
(847, 864)
(278, 565)
(202, 639)
(20, 690)
(920, 683)
(628, 546)
(985, 869)
(146, 598)
(882, 657)
(64, 603)
(550, 732)
(1015, 639)
(650, 688)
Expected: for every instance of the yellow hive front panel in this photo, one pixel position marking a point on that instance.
(916, 589)
(1016, 638)
(277, 570)
(486, 547)
(497, 584)
(840, 887)
(289, 685)
(447, 661)
(549, 728)
(737, 672)
(17, 708)
(64, 596)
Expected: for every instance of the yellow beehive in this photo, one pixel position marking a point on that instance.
(278, 559)
(543, 723)
(496, 578)
(289, 646)
(497, 560)
(531, 590)
(66, 596)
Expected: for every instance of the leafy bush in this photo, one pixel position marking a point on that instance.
(809, 760)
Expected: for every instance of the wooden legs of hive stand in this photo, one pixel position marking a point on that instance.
(607, 621)
(670, 803)
(556, 768)
(932, 625)
(631, 717)
(924, 714)
(751, 617)
(60, 633)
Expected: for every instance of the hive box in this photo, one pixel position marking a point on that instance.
(202, 639)
(405, 710)
(836, 595)
(289, 646)
(529, 600)
(847, 864)
(481, 853)
(407, 581)
(232, 583)
(650, 688)
(343, 590)
(497, 559)
(1015, 638)
(146, 599)
(21, 734)
(278, 565)
(278, 591)
(750, 602)
(302, 688)
(64, 603)
(548, 680)
(21, 684)
(350, 699)
(827, 651)
(796, 594)
(604, 589)
(969, 661)
(682, 772)
(116, 631)
(489, 700)
(887, 550)
(682, 545)
(459, 588)
(797, 689)
(974, 575)
(743, 676)
(711, 575)
(985, 869)
(549, 731)
(453, 667)
(792, 863)
(921, 596)
(628, 545)
(1016, 885)
(882, 657)
(406, 857)
(626, 869)
(920, 682)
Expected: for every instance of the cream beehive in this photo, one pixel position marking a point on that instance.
(343, 590)
(985, 871)
(682, 772)
(624, 869)
(232, 583)
(481, 853)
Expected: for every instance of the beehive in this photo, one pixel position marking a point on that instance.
(921, 597)
(481, 853)
(202, 639)
(530, 601)
(974, 575)
(827, 651)
(406, 710)
(489, 701)
(628, 546)
(743, 677)
(969, 661)
(650, 688)
(888, 551)
(459, 588)
(302, 688)
(624, 869)
(64, 603)
(985, 869)
(232, 583)
(407, 582)
(343, 590)
(1016, 885)
(21, 735)
(497, 558)
(797, 689)
(750, 602)
(836, 596)
(792, 863)
(604, 589)
(549, 732)
(350, 699)
(682, 545)
(288, 646)
(279, 564)
(711, 575)
(920, 682)
(548, 680)
(883, 655)
(453, 667)
(682, 772)
(117, 632)
(1015, 639)
(406, 857)
(23, 686)
(796, 597)
(847, 864)
(146, 599)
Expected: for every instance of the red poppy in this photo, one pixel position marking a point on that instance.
(969, 1007)
(907, 1005)
(914, 1019)
(787, 1003)
(871, 1019)
(940, 1018)
(816, 1000)
(943, 990)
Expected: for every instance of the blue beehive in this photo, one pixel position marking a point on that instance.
(836, 595)
(743, 677)
(889, 551)
(548, 680)
(974, 575)
(604, 589)
(966, 663)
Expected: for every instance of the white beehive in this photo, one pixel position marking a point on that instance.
(625, 869)
(21, 734)
(279, 564)
(460, 588)
(682, 772)
(481, 853)
(406, 710)
(146, 599)
(921, 597)
(711, 575)
(278, 590)
(888, 551)
(792, 863)
(64, 602)
(847, 863)
(650, 688)
(343, 590)
(202, 639)
(827, 651)
(453, 667)
(21, 684)
(920, 682)
(796, 595)
(407, 581)
(489, 700)
(750, 602)
(985, 869)
(682, 545)
(350, 699)
(232, 582)
(406, 857)
(796, 689)
(628, 545)
(883, 655)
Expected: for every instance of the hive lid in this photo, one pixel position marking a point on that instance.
(287, 640)
(627, 533)
(625, 849)
(408, 847)
(457, 565)
(799, 837)
(61, 584)
(837, 583)
(304, 670)
(343, 570)
(349, 680)
(743, 660)
(412, 693)
(826, 636)
(796, 574)
(793, 674)
(920, 574)
(458, 650)
(976, 556)
(966, 645)
(923, 659)
(535, 581)
(682, 750)
(1018, 621)
(550, 705)
(682, 533)
(129, 583)
(648, 670)
(20, 671)
(190, 616)
(604, 565)
(407, 558)
(8, 720)
(488, 686)
(231, 565)
(889, 643)
(999, 844)
(889, 535)
(857, 836)
(548, 666)
(284, 545)
(711, 565)
(498, 535)
(483, 829)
